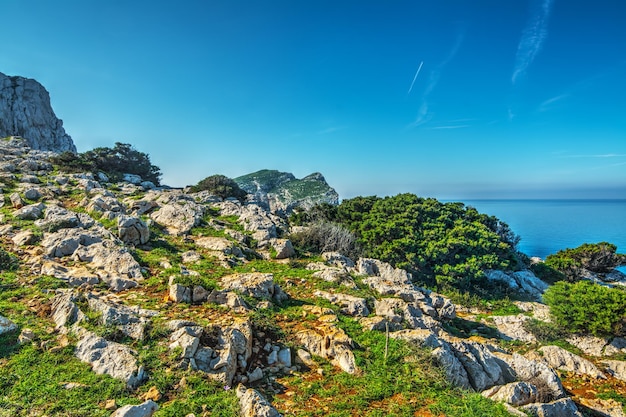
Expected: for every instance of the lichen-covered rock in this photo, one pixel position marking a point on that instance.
(179, 217)
(132, 230)
(30, 212)
(65, 312)
(564, 407)
(6, 325)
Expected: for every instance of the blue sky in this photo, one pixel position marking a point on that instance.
(450, 99)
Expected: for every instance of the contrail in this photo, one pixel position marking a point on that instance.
(415, 78)
(533, 37)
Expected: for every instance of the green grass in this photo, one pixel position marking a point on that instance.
(402, 382)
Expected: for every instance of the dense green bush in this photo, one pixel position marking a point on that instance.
(114, 162)
(447, 244)
(586, 307)
(221, 186)
(595, 257)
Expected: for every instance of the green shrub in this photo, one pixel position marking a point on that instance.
(444, 244)
(8, 262)
(115, 162)
(595, 257)
(221, 186)
(547, 273)
(586, 307)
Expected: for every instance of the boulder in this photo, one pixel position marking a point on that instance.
(32, 194)
(26, 237)
(484, 370)
(351, 305)
(616, 368)
(521, 281)
(56, 218)
(30, 212)
(564, 407)
(515, 393)
(65, 312)
(180, 217)
(145, 409)
(132, 230)
(283, 248)
(253, 404)
(132, 321)
(512, 328)
(258, 285)
(559, 358)
(6, 325)
(111, 358)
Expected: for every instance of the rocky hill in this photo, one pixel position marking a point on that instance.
(25, 111)
(282, 191)
(119, 300)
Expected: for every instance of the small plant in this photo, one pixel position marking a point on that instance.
(327, 237)
(8, 262)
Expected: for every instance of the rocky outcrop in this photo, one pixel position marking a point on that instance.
(253, 404)
(146, 409)
(559, 358)
(282, 192)
(25, 111)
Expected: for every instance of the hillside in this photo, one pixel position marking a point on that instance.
(118, 299)
(283, 192)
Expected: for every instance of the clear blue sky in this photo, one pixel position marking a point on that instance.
(450, 99)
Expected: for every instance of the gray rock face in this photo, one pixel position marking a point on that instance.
(617, 369)
(25, 111)
(257, 285)
(515, 393)
(521, 281)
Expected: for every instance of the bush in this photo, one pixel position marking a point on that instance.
(114, 162)
(221, 186)
(586, 307)
(327, 237)
(446, 244)
(8, 262)
(595, 257)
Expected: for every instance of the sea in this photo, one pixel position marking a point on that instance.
(547, 226)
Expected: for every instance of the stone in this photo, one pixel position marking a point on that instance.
(64, 310)
(283, 248)
(25, 111)
(604, 408)
(351, 305)
(26, 336)
(483, 368)
(131, 321)
(536, 372)
(616, 369)
(30, 212)
(16, 201)
(56, 218)
(255, 375)
(253, 404)
(590, 345)
(257, 285)
(559, 358)
(6, 325)
(338, 260)
(26, 237)
(564, 407)
(190, 257)
(521, 281)
(111, 358)
(32, 194)
(145, 409)
(512, 328)
(65, 242)
(188, 345)
(179, 293)
(180, 217)
(199, 294)
(132, 230)
(515, 393)
(329, 342)
(132, 178)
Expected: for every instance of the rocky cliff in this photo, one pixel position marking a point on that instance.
(25, 111)
(282, 191)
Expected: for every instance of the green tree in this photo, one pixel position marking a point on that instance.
(587, 307)
(114, 162)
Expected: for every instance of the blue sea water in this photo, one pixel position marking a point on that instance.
(547, 226)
